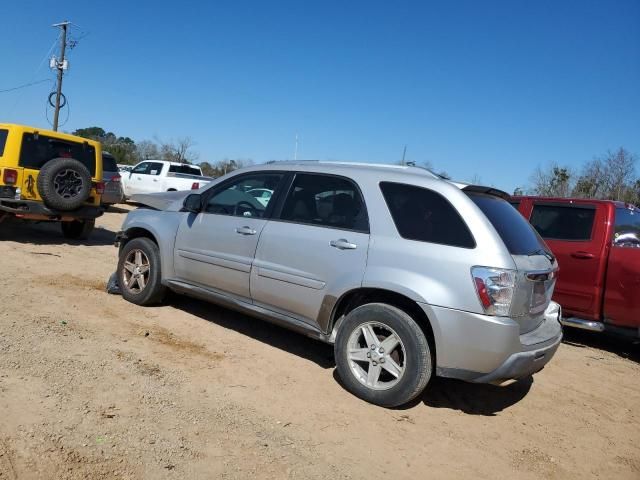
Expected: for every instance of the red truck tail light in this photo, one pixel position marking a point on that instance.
(195, 186)
(10, 177)
(99, 186)
(495, 287)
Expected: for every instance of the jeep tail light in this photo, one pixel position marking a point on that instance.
(195, 186)
(10, 177)
(99, 186)
(495, 287)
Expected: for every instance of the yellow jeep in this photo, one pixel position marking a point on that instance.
(50, 176)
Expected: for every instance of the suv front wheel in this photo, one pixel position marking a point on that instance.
(382, 355)
(139, 272)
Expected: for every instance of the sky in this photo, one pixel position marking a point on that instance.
(484, 89)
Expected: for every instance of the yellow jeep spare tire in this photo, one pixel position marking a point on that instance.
(64, 184)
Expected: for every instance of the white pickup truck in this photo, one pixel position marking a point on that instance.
(152, 176)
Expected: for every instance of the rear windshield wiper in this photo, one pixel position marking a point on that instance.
(542, 251)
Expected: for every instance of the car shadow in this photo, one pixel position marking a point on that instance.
(313, 350)
(48, 233)
(470, 398)
(474, 398)
(119, 209)
(624, 347)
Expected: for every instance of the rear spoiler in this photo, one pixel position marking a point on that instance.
(487, 190)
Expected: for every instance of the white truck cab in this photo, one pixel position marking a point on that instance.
(152, 176)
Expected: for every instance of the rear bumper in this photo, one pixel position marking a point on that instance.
(32, 209)
(483, 349)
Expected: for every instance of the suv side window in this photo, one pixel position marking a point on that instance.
(142, 168)
(38, 149)
(563, 222)
(426, 216)
(235, 198)
(627, 228)
(3, 139)
(327, 201)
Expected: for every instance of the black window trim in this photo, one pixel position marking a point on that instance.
(3, 144)
(566, 205)
(278, 210)
(475, 244)
(268, 213)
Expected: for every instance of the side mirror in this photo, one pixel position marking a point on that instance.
(192, 203)
(626, 239)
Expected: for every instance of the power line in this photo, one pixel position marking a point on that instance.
(25, 85)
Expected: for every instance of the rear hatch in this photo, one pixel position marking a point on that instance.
(536, 265)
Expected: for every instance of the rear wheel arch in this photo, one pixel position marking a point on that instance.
(361, 296)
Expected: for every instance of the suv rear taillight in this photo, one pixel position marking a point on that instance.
(495, 287)
(195, 185)
(117, 178)
(99, 186)
(10, 177)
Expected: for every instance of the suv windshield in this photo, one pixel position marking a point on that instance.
(517, 234)
(186, 169)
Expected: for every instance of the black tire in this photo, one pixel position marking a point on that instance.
(77, 229)
(64, 184)
(415, 358)
(153, 291)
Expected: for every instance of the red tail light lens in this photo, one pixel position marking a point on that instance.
(495, 287)
(9, 177)
(195, 186)
(99, 187)
(117, 178)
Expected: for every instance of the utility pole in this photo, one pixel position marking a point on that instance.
(295, 152)
(404, 153)
(60, 65)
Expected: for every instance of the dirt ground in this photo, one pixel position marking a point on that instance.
(94, 387)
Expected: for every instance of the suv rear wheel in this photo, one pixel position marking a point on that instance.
(382, 355)
(139, 272)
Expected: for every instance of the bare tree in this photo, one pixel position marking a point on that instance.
(553, 182)
(147, 150)
(611, 176)
(180, 150)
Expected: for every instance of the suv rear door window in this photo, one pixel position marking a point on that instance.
(3, 139)
(424, 215)
(563, 222)
(325, 200)
(38, 149)
(516, 233)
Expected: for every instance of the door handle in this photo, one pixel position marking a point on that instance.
(582, 255)
(343, 244)
(245, 230)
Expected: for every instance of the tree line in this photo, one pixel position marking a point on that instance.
(128, 152)
(611, 176)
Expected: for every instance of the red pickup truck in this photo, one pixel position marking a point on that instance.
(597, 244)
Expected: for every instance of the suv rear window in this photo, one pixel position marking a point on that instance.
(517, 234)
(561, 222)
(3, 140)
(109, 163)
(426, 216)
(38, 149)
(186, 169)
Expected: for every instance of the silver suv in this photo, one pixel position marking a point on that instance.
(407, 274)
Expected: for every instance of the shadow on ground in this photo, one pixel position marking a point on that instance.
(473, 399)
(627, 348)
(49, 233)
(265, 332)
